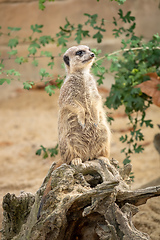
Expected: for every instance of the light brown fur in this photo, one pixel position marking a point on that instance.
(83, 130)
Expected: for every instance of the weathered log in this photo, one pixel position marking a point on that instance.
(89, 201)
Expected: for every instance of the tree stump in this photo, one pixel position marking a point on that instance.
(90, 201)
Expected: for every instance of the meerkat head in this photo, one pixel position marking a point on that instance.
(78, 58)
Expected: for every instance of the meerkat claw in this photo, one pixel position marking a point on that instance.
(76, 161)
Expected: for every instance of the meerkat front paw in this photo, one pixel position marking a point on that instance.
(76, 161)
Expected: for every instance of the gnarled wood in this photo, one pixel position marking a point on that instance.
(88, 201)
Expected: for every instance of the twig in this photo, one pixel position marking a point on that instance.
(126, 50)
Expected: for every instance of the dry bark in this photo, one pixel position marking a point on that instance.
(89, 201)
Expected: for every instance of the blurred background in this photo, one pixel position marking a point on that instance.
(28, 119)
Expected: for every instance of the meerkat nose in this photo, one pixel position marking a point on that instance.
(92, 55)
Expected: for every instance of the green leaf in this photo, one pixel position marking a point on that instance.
(35, 62)
(50, 64)
(45, 40)
(123, 150)
(46, 53)
(114, 100)
(38, 152)
(20, 60)
(3, 80)
(12, 72)
(120, 13)
(43, 148)
(13, 42)
(100, 29)
(96, 51)
(129, 18)
(14, 28)
(41, 4)
(43, 73)
(137, 148)
(28, 85)
(92, 19)
(50, 89)
(13, 52)
(126, 160)
(33, 48)
(37, 28)
(118, 32)
(53, 151)
(1, 65)
(120, 2)
(156, 37)
(115, 21)
(148, 123)
(80, 32)
(110, 119)
(45, 155)
(59, 82)
(138, 135)
(123, 139)
(98, 36)
(62, 41)
(132, 176)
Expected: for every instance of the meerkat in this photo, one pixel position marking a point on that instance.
(84, 133)
(83, 130)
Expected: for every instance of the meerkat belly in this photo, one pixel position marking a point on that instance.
(82, 142)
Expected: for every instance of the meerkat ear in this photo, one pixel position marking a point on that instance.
(66, 59)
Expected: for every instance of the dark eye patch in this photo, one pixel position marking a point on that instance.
(66, 60)
(80, 53)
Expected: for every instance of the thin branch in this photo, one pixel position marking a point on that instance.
(126, 50)
(110, 54)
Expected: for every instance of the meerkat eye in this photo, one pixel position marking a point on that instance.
(80, 53)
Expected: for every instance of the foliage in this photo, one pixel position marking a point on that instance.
(42, 6)
(52, 152)
(131, 65)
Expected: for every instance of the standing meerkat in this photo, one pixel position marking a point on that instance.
(83, 130)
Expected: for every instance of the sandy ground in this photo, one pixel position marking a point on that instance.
(29, 119)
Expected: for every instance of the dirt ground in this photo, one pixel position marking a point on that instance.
(28, 119)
